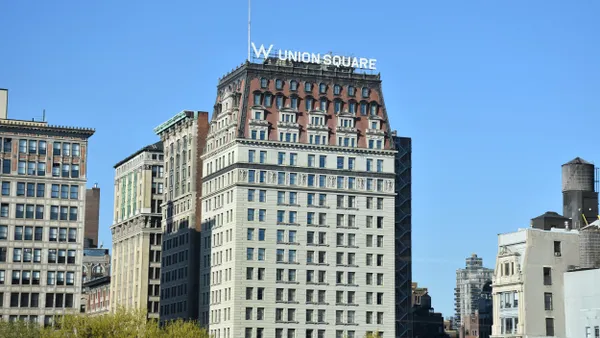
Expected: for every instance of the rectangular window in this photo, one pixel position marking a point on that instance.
(41, 190)
(340, 162)
(547, 275)
(322, 161)
(550, 327)
(548, 301)
(5, 188)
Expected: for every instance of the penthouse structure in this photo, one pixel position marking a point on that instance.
(303, 232)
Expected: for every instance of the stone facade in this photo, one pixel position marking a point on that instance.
(136, 232)
(43, 176)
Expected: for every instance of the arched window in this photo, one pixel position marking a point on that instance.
(351, 91)
(307, 86)
(263, 83)
(365, 92)
(279, 84)
(293, 85)
(322, 88)
(309, 103)
(323, 104)
(337, 89)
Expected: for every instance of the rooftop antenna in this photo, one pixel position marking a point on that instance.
(249, 42)
(44, 115)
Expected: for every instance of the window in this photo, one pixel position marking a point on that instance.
(548, 301)
(365, 92)
(323, 104)
(3, 232)
(337, 89)
(550, 327)
(76, 150)
(5, 188)
(263, 83)
(4, 210)
(322, 161)
(294, 85)
(278, 84)
(557, 249)
(322, 88)
(251, 156)
(6, 167)
(547, 275)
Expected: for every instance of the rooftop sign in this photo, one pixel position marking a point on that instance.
(325, 59)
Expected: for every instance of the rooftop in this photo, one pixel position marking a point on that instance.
(155, 147)
(577, 160)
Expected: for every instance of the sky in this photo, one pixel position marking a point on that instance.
(496, 95)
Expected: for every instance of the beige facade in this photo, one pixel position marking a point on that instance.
(528, 282)
(136, 232)
(43, 179)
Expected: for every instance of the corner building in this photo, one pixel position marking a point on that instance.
(136, 231)
(298, 224)
(43, 177)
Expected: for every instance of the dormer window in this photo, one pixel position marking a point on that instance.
(268, 100)
(338, 106)
(323, 104)
(375, 144)
(294, 85)
(374, 107)
(352, 107)
(363, 108)
(307, 86)
(317, 120)
(257, 98)
(308, 103)
(263, 83)
(294, 102)
(374, 124)
(279, 84)
(351, 91)
(337, 89)
(347, 123)
(289, 118)
(365, 92)
(279, 101)
(258, 115)
(322, 88)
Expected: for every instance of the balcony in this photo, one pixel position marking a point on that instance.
(375, 132)
(256, 122)
(350, 130)
(288, 125)
(317, 127)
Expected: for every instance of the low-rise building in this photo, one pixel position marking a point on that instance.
(582, 303)
(97, 293)
(529, 270)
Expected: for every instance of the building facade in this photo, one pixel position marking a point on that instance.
(299, 206)
(43, 178)
(183, 137)
(92, 216)
(469, 283)
(529, 270)
(136, 231)
(582, 297)
(97, 296)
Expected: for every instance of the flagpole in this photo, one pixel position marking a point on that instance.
(249, 30)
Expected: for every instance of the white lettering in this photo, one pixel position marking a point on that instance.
(372, 64)
(327, 59)
(262, 51)
(316, 58)
(363, 63)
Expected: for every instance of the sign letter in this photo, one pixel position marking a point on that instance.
(262, 50)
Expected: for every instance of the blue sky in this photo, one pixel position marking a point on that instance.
(495, 94)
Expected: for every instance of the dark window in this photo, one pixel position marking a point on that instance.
(547, 276)
(548, 301)
(557, 249)
(550, 327)
(6, 166)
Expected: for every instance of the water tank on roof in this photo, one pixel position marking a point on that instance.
(578, 175)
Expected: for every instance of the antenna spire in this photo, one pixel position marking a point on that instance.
(249, 16)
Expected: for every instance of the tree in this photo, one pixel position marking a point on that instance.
(121, 324)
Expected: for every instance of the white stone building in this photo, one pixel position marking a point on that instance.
(528, 282)
(469, 284)
(298, 206)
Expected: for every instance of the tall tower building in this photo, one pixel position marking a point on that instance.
(580, 198)
(299, 223)
(92, 216)
(136, 231)
(469, 284)
(43, 178)
(183, 137)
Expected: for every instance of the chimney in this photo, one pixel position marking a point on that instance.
(3, 104)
